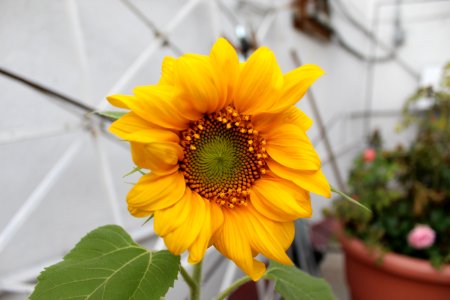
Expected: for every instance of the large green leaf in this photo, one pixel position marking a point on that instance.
(294, 284)
(108, 264)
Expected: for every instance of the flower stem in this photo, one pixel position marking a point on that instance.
(197, 279)
(232, 287)
(188, 279)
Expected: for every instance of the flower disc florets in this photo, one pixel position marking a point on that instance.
(223, 156)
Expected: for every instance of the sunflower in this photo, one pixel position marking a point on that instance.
(231, 164)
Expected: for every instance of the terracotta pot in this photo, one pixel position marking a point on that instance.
(396, 277)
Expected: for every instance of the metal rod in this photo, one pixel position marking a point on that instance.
(385, 113)
(356, 145)
(215, 265)
(74, 103)
(16, 287)
(394, 2)
(37, 195)
(148, 52)
(159, 245)
(228, 276)
(14, 136)
(147, 22)
(372, 37)
(108, 181)
(269, 291)
(45, 90)
(322, 129)
(370, 74)
(215, 18)
(265, 25)
(75, 22)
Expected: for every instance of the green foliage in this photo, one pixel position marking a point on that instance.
(135, 169)
(292, 283)
(406, 186)
(113, 115)
(108, 264)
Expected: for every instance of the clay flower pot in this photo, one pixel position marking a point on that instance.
(395, 277)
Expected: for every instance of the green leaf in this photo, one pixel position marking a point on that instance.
(294, 284)
(136, 169)
(348, 198)
(108, 264)
(148, 219)
(113, 115)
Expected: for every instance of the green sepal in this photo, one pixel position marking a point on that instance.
(348, 198)
(135, 169)
(148, 219)
(113, 115)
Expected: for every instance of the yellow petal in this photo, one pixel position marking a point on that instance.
(235, 244)
(172, 109)
(184, 236)
(313, 181)
(131, 127)
(280, 200)
(168, 219)
(161, 158)
(121, 101)
(139, 213)
(199, 83)
(198, 248)
(289, 145)
(216, 222)
(155, 104)
(128, 124)
(153, 192)
(260, 83)
(225, 62)
(267, 237)
(265, 122)
(167, 71)
(296, 83)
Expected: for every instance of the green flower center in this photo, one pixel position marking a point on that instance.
(223, 157)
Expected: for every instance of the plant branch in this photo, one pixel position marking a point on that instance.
(188, 279)
(232, 287)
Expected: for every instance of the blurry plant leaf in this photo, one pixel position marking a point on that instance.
(148, 220)
(350, 199)
(293, 284)
(113, 115)
(136, 169)
(108, 264)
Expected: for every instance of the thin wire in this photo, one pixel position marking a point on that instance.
(158, 33)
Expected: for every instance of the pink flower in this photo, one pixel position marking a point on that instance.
(421, 237)
(369, 154)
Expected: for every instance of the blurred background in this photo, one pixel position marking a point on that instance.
(61, 171)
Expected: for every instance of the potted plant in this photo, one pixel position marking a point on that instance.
(402, 249)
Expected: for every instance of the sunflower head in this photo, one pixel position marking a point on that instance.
(229, 159)
(223, 156)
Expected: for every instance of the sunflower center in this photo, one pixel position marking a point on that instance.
(223, 157)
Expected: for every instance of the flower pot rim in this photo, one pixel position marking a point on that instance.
(401, 265)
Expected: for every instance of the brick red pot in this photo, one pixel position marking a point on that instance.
(397, 277)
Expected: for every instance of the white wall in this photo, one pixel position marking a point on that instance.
(37, 40)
